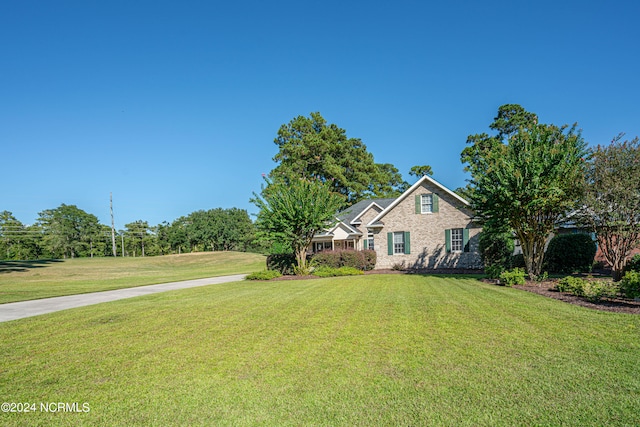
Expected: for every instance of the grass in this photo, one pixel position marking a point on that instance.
(365, 350)
(26, 280)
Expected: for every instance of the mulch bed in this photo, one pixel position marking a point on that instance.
(616, 305)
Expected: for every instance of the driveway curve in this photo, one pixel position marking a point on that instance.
(22, 309)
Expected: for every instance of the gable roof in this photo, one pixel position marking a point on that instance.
(352, 214)
(411, 189)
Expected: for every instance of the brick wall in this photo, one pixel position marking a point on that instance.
(427, 233)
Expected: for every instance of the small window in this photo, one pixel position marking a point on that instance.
(398, 243)
(426, 203)
(456, 240)
(370, 241)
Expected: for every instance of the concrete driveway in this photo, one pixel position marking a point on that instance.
(22, 309)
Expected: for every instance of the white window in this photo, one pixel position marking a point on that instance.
(456, 240)
(398, 242)
(370, 241)
(426, 203)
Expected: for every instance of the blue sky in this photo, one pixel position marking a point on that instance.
(174, 106)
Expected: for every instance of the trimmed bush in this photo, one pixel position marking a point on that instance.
(593, 291)
(633, 264)
(326, 259)
(284, 263)
(570, 253)
(630, 284)
(517, 261)
(264, 275)
(493, 271)
(370, 259)
(495, 248)
(572, 285)
(513, 277)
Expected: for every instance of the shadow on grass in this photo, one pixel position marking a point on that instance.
(22, 266)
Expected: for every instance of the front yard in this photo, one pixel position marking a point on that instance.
(365, 350)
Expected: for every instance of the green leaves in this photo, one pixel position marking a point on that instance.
(312, 149)
(295, 211)
(613, 199)
(525, 178)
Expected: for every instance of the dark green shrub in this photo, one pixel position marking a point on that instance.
(630, 284)
(633, 264)
(516, 261)
(264, 275)
(284, 263)
(570, 253)
(513, 277)
(493, 271)
(495, 248)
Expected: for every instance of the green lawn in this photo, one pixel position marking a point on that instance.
(26, 280)
(366, 350)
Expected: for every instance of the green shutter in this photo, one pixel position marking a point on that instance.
(407, 243)
(434, 200)
(390, 243)
(447, 240)
(366, 244)
(418, 199)
(465, 239)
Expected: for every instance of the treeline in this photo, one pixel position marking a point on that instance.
(70, 232)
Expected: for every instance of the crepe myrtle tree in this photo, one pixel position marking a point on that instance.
(612, 201)
(526, 178)
(294, 212)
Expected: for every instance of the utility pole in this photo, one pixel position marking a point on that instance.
(113, 227)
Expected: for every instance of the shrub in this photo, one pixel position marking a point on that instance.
(370, 259)
(326, 259)
(633, 264)
(630, 284)
(264, 275)
(594, 291)
(353, 259)
(284, 263)
(332, 272)
(571, 285)
(570, 253)
(495, 248)
(516, 261)
(493, 271)
(513, 277)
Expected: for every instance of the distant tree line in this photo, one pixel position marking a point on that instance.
(69, 232)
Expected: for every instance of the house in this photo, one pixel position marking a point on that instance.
(427, 227)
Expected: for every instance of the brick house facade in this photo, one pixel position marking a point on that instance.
(427, 227)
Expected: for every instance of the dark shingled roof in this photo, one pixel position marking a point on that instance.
(349, 214)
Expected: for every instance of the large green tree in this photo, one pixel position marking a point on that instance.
(69, 231)
(612, 202)
(525, 178)
(312, 149)
(294, 212)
